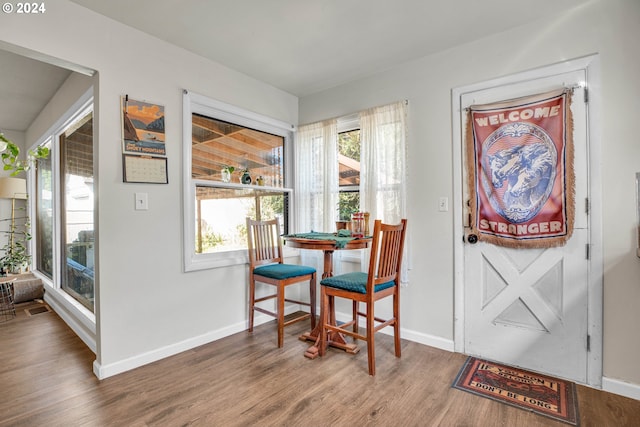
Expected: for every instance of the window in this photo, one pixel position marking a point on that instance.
(76, 209)
(225, 152)
(348, 173)
(44, 215)
(371, 154)
(369, 176)
(64, 206)
(237, 166)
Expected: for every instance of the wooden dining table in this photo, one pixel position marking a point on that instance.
(328, 244)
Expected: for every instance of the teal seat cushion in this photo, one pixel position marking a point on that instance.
(283, 271)
(353, 282)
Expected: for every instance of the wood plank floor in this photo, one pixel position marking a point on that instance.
(46, 379)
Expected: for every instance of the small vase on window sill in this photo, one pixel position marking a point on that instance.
(245, 178)
(225, 173)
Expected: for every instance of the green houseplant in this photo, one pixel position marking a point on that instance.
(16, 256)
(10, 156)
(15, 252)
(226, 172)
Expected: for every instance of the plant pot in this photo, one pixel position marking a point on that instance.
(245, 178)
(19, 269)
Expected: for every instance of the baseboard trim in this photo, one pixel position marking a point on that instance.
(105, 371)
(426, 339)
(620, 387)
(408, 334)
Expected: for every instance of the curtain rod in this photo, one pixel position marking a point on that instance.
(566, 89)
(406, 102)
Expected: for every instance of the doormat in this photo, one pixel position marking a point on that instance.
(37, 310)
(526, 390)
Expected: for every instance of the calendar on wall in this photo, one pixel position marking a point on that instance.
(143, 143)
(146, 169)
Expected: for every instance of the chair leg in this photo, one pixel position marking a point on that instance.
(371, 352)
(324, 318)
(396, 325)
(280, 313)
(355, 318)
(312, 299)
(252, 301)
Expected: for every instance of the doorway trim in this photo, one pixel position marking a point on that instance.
(591, 65)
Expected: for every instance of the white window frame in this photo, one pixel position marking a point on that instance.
(77, 316)
(199, 104)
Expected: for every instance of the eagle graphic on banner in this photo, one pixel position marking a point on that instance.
(528, 171)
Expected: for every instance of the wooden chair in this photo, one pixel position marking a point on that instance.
(382, 280)
(266, 266)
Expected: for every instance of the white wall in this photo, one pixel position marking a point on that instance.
(14, 136)
(147, 307)
(609, 28)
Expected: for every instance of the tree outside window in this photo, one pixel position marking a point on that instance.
(349, 173)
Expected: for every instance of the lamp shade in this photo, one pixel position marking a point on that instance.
(13, 188)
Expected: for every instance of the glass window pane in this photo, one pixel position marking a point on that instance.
(44, 216)
(349, 170)
(349, 157)
(221, 216)
(217, 144)
(76, 149)
(348, 203)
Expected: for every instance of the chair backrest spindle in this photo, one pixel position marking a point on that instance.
(386, 253)
(264, 244)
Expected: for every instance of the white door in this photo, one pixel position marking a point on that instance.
(529, 307)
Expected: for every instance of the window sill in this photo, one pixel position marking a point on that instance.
(237, 186)
(216, 260)
(228, 259)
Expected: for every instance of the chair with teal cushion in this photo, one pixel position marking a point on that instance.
(266, 266)
(382, 280)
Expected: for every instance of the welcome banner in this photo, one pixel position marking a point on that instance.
(520, 170)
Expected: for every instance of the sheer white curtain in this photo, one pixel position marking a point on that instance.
(316, 164)
(383, 169)
(383, 175)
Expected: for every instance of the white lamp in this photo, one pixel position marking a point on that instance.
(13, 188)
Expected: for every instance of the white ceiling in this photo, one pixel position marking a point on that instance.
(299, 46)
(26, 86)
(304, 46)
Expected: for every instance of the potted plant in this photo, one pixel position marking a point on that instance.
(10, 153)
(226, 172)
(16, 257)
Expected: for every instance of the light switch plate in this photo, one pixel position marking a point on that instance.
(142, 201)
(443, 204)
